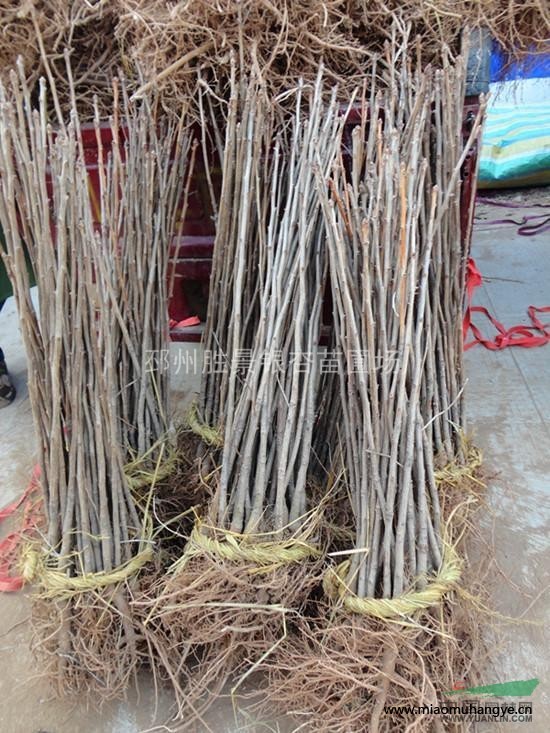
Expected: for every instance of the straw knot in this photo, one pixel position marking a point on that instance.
(54, 582)
(211, 436)
(336, 588)
(246, 548)
(455, 471)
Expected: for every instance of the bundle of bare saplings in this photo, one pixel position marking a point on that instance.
(100, 410)
(327, 454)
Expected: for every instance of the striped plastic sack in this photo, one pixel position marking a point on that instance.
(515, 149)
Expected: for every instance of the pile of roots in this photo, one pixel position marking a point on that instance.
(211, 622)
(347, 672)
(349, 675)
(45, 34)
(171, 44)
(287, 41)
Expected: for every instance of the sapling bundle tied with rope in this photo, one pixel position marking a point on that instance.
(393, 235)
(254, 558)
(396, 263)
(93, 336)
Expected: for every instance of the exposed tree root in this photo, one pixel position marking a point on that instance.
(86, 645)
(216, 621)
(339, 672)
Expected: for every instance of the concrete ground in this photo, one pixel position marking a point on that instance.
(508, 404)
(508, 397)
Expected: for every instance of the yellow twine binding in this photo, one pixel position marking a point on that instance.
(146, 471)
(245, 548)
(211, 436)
(36, 563)
(56, 583)
(455, 471)
(334, 584)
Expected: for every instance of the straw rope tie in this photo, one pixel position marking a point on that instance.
(56, 582)
(211, 436)
(35, 562)
(145, 472)
(454, 472)
(405, 605)
(138, 478)
(334, 582)
(243, 548)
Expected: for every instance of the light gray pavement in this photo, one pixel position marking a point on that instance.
(508, 405)
(508, 398)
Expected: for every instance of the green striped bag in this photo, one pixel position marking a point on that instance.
(515, 147)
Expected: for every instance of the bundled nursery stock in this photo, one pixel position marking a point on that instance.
(101, 265)
(316, 534)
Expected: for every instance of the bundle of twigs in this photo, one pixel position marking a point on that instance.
(269, 421)
(397, 273)
(233, 303)
(396, 265)
(97, 390)
(254, 558)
